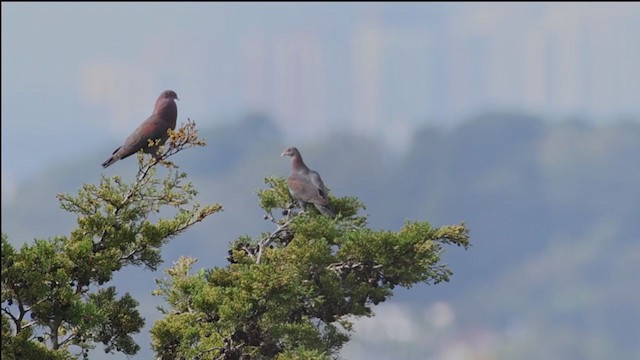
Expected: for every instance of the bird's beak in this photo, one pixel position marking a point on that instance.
(177, 98)
(282, 155)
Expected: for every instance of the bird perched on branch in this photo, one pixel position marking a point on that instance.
(155, 127)
(305, 185)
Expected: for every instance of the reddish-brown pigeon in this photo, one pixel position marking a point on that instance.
(155, 127)
(305, 185)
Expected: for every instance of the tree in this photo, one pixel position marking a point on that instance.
(53, 299)
(293, 293)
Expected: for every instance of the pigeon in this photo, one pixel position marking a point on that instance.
(305, 185)
(155, 127)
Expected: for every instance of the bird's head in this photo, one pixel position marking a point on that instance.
(169, 94)
(290, 151)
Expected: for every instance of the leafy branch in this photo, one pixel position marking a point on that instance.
(292, 293)
(56, 281)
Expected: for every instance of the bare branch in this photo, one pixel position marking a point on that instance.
(28, 325)
(223, 350)
(249, 252)
(339, 267)
(274, 235)
(71, 337)
(15, 320)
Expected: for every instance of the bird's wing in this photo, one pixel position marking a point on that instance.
(302, 188)
(316, 180)
(139, 138)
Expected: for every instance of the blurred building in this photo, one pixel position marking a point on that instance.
(553, 60)
(286, 77)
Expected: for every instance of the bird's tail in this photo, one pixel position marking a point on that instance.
(109, 161)
(325, 210)
(112, 159)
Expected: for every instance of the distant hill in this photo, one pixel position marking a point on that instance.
(554, 213)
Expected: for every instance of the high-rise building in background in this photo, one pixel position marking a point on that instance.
(368, 89)
(286, 77)
(552, 60)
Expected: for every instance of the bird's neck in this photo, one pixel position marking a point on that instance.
(298, 165)
(165, 105)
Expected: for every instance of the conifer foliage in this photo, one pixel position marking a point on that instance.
(294, 293)
(291, 293)
(56, 301)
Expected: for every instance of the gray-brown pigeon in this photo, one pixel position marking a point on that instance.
(155, 127)
(305, 185)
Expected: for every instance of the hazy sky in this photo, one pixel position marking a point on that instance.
(77, 78)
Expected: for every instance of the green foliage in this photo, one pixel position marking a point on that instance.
(50, 295)
(292, 293)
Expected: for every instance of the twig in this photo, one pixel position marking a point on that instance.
(339, 267)
(203, 352)
(223, 350)
(15, 320)
(249, 252)
(143, 172)
(26, 326)
(68, 339)
(269, 239)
